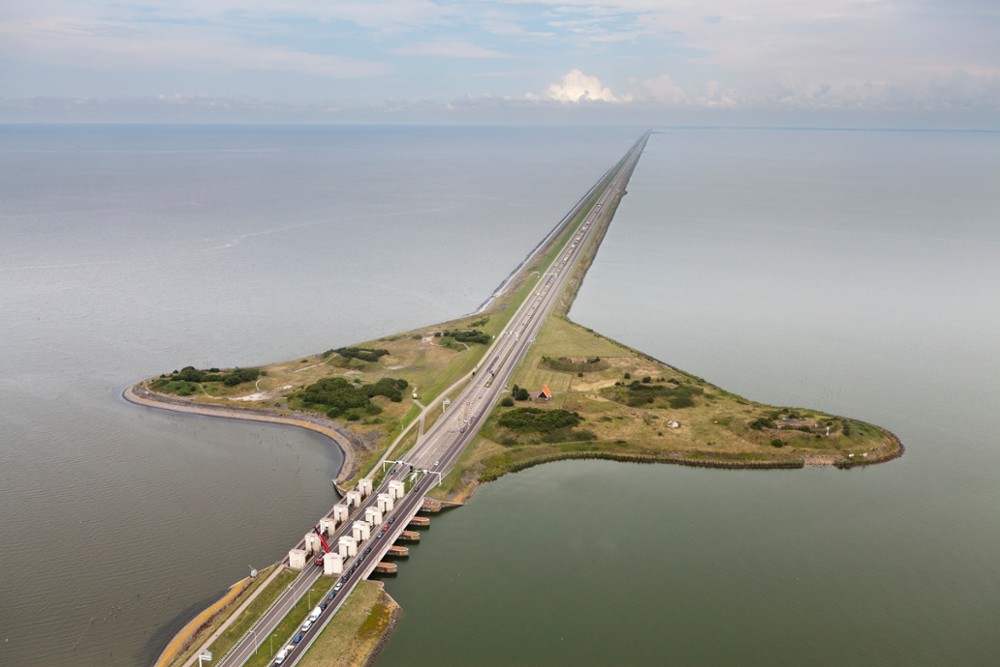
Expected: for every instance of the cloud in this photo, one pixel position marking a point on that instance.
(117, 46)
(578, 87)
(446, 49)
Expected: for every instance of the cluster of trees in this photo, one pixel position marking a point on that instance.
(230, 378)
(467, 336)
(638, 394)
(362, 353)
(537, 420)
(519, 393)
(337, 396)
(573, 366)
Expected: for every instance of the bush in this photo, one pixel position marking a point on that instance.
(628, 376)
(539, 421)
(240, 375)
(507, 402)
(761, 423)
(362, 353)
(678, 402)
(777, 442)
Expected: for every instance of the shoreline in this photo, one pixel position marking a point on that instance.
(139, 394)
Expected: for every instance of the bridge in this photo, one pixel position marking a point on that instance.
(437, 451)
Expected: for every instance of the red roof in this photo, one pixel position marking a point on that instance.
(545, 392)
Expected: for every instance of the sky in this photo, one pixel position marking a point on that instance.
(933, 63)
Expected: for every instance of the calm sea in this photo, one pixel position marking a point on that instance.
(126, 251)
(855, 272)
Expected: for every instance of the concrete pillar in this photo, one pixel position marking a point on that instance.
(397, 489)
(365, 487)
(385, 503)
(297, 559)
(333, 563)
(340, 512)
(373, 516)
(353, 498)
(312, 542)
(361, 531)
(347, 546)
(327, 524)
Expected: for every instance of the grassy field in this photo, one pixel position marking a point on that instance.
(355, 632)
(291, 622)
(636, 408)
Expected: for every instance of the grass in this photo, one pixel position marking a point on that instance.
(250, 615)
(717, 429)
(252, 612)
(355, 632)
(283, 633)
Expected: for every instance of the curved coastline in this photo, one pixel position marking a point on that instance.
(139, 394)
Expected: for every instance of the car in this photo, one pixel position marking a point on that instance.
(305, 626)
(336, 588)
(322, 605)
(343, 579)
(392, 519)
(297, 638)
(439, 462)
(385, 528)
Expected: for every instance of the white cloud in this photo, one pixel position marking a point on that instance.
(577, 86)
(446, 49)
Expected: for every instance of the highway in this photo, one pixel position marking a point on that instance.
(434, 455)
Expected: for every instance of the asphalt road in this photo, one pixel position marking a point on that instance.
(440, 446)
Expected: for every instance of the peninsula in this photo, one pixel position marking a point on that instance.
(569, 392)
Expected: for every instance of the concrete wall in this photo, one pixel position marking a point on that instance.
(333, 563)
(373, 516)
(361, 531)
(385, 503)
(327, 524)
(397, 489)
(340, 512)
(347, 546)
(365, 487)
(353, 498)
(312, 542)
(297, 559)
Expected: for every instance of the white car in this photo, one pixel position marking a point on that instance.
(305, 626)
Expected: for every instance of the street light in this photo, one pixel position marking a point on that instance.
(256, 637)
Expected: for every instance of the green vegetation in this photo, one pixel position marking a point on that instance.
(649, 394)
(570, 365)
(362, 353)
(355, 632)
(537, 420)
(290, 623)
(189, 379)
(467, 336)
(337, 396)
(235, 632)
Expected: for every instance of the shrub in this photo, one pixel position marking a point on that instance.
(761, 423)
(628, 376)
(538, 420)
(507, 402)
(678, 402)
(777, 442)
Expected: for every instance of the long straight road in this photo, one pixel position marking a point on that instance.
(439, 449)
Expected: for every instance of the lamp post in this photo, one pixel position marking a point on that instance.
(256, 638)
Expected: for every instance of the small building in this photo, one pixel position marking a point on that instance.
(544, 394)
